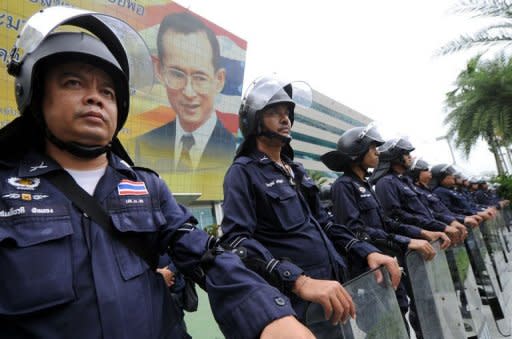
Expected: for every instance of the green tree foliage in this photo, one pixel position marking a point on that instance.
(498, 33)
(505, 186)
(481, 104)
(321, 178)
(212, 229)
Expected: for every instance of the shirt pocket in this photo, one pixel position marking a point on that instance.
(143, 226)
(35, 264)
(367, 204)
(287, 207)
(409, 195)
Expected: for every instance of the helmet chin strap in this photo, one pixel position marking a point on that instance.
(79, 150)
(273, 135)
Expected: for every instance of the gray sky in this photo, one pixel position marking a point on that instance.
(373, 56)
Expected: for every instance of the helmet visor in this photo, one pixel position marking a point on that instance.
(264, 90)
(370, 131)
(448, 170)
(38, 26)
(420, 165)
(401, 143)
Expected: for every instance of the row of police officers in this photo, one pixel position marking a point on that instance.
(81, 226)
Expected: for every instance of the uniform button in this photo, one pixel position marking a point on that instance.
(279, 301)
(287, 273)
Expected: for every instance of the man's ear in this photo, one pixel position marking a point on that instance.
(220, 79)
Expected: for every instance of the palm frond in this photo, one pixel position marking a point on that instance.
(483, 8)
(466, 41)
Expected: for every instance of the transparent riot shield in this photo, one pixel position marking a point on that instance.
(486, 279)
(507, 216)
(377, 311)
(506, 230)
(470, 305)
(495, 249)
(503, 232)
(435, 297)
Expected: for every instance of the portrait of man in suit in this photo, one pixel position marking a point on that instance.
(189, 67)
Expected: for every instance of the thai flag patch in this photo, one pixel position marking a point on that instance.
(128, 187)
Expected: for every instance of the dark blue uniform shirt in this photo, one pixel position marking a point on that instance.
(274, 215)
(356, 206)
(485, 198)
(470, 198)
(434, 204)
(455, 201)
(401, 202)
(63, 276)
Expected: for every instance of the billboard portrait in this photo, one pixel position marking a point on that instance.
(185, 126)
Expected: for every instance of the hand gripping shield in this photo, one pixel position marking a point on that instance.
(377, 311)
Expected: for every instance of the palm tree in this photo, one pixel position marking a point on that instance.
(481, 105)
(497, 33)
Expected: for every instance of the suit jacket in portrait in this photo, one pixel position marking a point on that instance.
(155, 149)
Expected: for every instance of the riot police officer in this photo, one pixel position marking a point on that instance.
(356, 205)
(81, 228)
(395, 191)
(443, 182)
(421, 176)
(272, 210)
(483, 196)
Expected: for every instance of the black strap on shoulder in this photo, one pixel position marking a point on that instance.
(92, 209)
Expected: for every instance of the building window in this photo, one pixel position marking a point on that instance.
(204, 215)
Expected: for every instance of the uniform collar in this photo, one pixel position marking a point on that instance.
(356, 177)
(121, 166)
(263, 159)
(403, 177)
(37, 164)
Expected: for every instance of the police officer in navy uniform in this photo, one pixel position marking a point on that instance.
(421, 176)
(485, 197)
(396, 194)
(272, 211)
(443, 185)
(356, 205)
(65, 276)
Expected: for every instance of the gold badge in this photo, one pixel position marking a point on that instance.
(24, 183)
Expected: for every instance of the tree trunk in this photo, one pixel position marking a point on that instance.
(496, 152)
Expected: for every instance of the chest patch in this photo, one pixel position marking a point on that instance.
(128, 187)
(24, 196)
(274, 182)
(24, 183)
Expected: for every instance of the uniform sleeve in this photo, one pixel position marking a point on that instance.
(240, 222)
(347, 212)
(481, 198)
(389, 197)
(453, 203)
(438, 210)
(438, 206)
(443, 217)
(344, 240)
(407, 230)
(235, 292)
